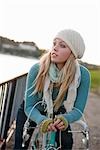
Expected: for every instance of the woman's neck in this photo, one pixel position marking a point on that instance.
(59, 66)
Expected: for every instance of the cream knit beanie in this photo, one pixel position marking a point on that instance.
(73, 40)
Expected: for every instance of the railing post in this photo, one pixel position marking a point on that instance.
(11, 96)
(7, 110)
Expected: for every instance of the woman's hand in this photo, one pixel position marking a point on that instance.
(58, 124)
(51, 127)
(44, 125)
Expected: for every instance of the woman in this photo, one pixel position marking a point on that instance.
(62, 84)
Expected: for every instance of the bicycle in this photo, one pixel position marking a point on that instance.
(47, 141)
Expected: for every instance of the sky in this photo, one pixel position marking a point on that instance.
(40, 20)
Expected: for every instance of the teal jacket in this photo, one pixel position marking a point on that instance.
(80, 102)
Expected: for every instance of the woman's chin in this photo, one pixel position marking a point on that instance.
(53, 61)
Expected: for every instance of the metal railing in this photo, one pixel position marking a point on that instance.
(11, 96)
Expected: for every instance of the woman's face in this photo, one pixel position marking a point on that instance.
(60, 52)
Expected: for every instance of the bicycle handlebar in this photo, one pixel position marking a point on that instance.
(83, 124)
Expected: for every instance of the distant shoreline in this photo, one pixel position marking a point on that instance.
(32, 54)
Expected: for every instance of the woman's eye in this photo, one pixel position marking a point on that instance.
(62, 46)
(54, 43)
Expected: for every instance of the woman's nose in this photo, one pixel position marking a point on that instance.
(56, 47)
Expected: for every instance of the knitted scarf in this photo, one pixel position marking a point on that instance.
(56, 76)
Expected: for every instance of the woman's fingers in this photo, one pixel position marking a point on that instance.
(59, 124)
(61, 127)
(56, 122)
(51, 127)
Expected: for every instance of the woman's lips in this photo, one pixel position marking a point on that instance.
(54, 54)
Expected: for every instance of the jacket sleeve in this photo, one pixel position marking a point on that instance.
(81, 99)
(32, 99)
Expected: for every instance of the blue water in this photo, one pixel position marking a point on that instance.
(12, 66)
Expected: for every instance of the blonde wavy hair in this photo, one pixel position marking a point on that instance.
(69, 73)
